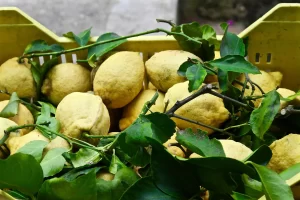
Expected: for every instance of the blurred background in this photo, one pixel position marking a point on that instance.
(131, 16)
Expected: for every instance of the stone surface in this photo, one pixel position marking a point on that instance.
(120, 16)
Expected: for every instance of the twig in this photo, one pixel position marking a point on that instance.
(253, 84)
(166, 105)
(166, 21)
(254, 97)
(228, 99)
(157, 30)
(150, 103)
(98, 136)
(201, 124)
(289, 110)
(240, 83)
(178, 104)
(203, 65)
(236, 126)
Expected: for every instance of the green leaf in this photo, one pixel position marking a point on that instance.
(147, 190)
(223, 80)
(83, 187)
(239, 196)
(199, 143)
(76, 172)
(274, 186)
(262, 117)
(234, 63)
(111, 190)
(202, 39)
(231, 44)
(16, 195)
(45, 116)
(115, 164)
(53, 162)
(84, 157)
(261, 156)
(37, 76)
(92, 60)
(252, 187)
(290, 172)
(12, 108)
(155, 125)
(102, 49)
(21, 172)
(82, 38)
(166, 174)
(196, 75)
(41, 46)
(34, 148)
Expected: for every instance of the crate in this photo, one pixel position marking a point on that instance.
(274, 42)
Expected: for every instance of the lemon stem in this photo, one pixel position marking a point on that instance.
(157, 30)
(150, 103)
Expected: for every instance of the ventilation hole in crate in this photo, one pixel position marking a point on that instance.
(63, 58)
(41, 60)
(257, 57)
(74, 58)
(269, 57)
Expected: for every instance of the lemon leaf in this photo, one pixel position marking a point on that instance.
(83, 187)
(231, 44)
(34, 148)
(42, 46)
(53, 162)
(84, 157)
(102, 49)
(147, 190)
(262, 117)
(239, 196)
(82, 38)
(115, 164)
(199, 143)
(274, 187)
(12, 108)
(261, 155)
(21, 172)
(234, 63)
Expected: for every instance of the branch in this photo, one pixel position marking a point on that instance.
(178, 104)
(228, 99)
(289, 110)
(201, 124)
(166, 21)
(32, 55)
(253, 84)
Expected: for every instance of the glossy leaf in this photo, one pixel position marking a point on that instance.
(21, 172)
(147, 190)
(102, 49)
(262, 117)
(231, 44)
(290, 172)
(274, 186)
(83, 187)
(155, 125)
(47, 65)
(223, 80)
(53, 162)
(196, 75)
(76, 172)
(202, 39)
(34, 148)
(261, 156)
(165, 170)
(41, 46)
(92, 60)
(111, 190)
(82, 38)
(12, 108)
(115, 164)
(37, 76)
(198, 142)
(239, 196)
(84, 157)
(234, 63)
(252, 187)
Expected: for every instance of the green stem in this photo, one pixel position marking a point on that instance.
(254, 97)
(150, 103)
(32, 55)
(98, 136)
(4, 138)
(236, 126)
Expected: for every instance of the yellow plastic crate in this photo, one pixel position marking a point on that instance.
(274, 42)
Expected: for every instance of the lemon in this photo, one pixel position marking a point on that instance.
(174, 150)
(80, 113)
(64, 79)
(23, 116)
(206, 108)
(162, 68)
(17, 77)
(134, 108)
(232, 149)
(266, 81)
(105, 175)
(119, 79)
(285, 152)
